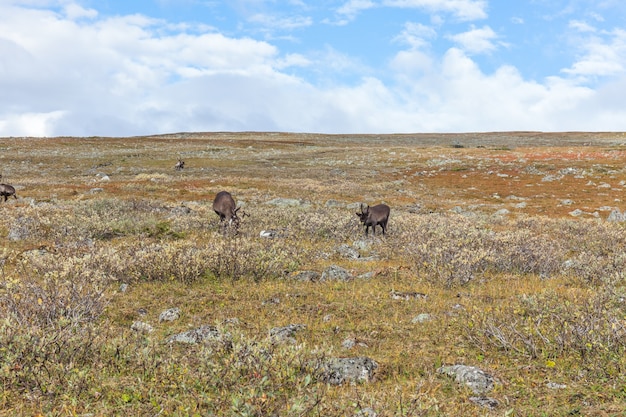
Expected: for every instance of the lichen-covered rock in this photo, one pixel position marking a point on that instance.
(170, 314)
(286, 334)
(306, 276)
(347, 251)
(201, 334)
(141, 327)
(474, 378)
(337, 371)
(336, 273)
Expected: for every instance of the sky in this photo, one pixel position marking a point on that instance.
(141, 67)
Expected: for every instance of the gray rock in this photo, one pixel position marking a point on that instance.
(336, 273)
(337, 371)
(180, 211)
(347, 251)
(286, 333)
(334, 203)
(288, 202)
(141, 327)
(201, 334)
(362, 244)
(367, 275)
(554, 385)
(306, 276)
(576, 213)
(170, 314)
(407, 295)
(474, 378)
(502, 212)
(421, 318)
(616, 216)
(352, 342)
(22, 228)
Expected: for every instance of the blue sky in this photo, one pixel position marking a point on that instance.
(134, 67)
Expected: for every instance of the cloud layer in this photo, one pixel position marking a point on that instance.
(71, 70)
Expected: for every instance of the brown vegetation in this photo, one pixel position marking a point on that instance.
(506, 235)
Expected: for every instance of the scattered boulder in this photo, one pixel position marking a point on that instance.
(180, 211)
(170, 314)
(336, 273)
(306, 276)
(288, 202)
(474, 378)
(22, 228)
(409, 295)
(286, 334)
(348, 252)
(616, 216)
(141, 327)
(421, 318)
(352, 342)
(337, 371)
(201, 334)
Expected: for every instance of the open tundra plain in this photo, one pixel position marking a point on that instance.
(499, 288)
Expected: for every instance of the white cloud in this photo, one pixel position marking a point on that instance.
(581, 26)
(476, 40)
(73, 12)
(349, 10)
(416, 35)
(602, 55)
(461, 9)
(283, 23)
(82, 74)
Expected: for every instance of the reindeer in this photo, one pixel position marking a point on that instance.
(371, 216)
(179, 165)
(225, 207)
(7, 191)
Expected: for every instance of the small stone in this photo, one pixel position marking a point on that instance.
(141, 327)
(421, 318)
(170, 314)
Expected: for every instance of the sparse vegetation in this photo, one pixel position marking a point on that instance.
(529, 292)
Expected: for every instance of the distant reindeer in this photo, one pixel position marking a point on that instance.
(179, 165)
(7, 191)
(371, 216)
(225, 207)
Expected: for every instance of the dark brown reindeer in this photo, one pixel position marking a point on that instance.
(371, 216)
(225, 207)
(7, 191)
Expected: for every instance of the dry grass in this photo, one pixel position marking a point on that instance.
(535, 296)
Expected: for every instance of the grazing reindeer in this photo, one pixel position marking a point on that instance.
(179, 165)
(7, 191)
(371, 216)
(225, 207)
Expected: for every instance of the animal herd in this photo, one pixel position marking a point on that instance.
(225, 207)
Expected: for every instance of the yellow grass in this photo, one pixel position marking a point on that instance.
(96, 231)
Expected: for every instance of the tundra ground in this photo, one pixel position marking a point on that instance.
(502, 239)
